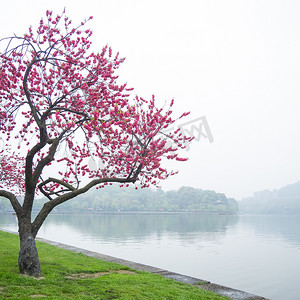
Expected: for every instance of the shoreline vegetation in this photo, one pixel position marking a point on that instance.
(116, 199)
(69, 275)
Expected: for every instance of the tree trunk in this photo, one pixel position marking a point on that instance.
(29, 263)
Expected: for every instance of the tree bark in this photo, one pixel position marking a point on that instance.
(29, 263)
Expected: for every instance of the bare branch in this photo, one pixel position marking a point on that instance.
(13, 200)
(47, 208)
(68, 187)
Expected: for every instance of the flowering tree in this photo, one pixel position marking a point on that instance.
(63, 105)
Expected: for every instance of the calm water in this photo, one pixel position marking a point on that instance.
(257, 254)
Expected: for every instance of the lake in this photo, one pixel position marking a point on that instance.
(257, 254)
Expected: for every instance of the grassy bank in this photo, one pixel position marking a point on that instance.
(69, 275)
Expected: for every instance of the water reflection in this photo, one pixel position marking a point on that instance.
(284, 226)
(8, 221)
(189, 227)
(141, 227)
(251, 253)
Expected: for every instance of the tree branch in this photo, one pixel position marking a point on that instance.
(63, 183)
(47, 208)
(27, 93)
(13, 200)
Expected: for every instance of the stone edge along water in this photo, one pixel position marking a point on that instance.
(203, 284)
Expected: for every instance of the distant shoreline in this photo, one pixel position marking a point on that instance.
(123, 212)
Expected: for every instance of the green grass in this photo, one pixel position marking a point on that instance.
(59, 268)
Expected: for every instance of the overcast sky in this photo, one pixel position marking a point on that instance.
(234, 62)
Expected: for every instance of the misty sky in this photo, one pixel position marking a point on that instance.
(235, 62)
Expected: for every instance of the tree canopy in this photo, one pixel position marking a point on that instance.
(63, 105)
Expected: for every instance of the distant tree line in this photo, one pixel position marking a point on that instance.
(285, 200)
(114, 198)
